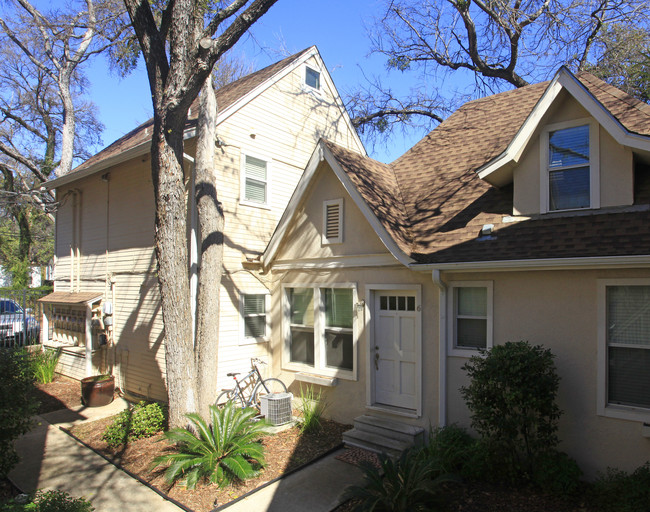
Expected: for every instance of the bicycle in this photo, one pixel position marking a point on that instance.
(249, 390)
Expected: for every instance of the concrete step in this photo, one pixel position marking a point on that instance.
(390, 428)
(374, 442)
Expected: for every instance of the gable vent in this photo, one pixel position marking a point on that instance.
(333, 221)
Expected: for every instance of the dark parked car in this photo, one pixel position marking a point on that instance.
(17, 325)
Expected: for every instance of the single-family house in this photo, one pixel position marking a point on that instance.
(523, 216)
(105, 311)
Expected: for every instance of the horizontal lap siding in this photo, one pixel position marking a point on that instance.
(118, 228)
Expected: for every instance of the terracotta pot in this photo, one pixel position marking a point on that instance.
(98, 390)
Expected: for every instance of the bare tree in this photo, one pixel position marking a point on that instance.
(180, 49)
(44, 120)
(490, 45)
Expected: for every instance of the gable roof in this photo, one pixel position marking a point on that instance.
(229, 99)
(433, 203)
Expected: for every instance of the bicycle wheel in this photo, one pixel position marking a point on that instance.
(266, 387)
(228, 395)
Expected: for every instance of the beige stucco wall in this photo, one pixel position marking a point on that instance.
(558, 309)
(615, 162)
(304, 238)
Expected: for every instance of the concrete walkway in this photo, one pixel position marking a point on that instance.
(315, 488)
(51, 459)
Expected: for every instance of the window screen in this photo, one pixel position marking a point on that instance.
(254, 307)
(569, 171)
(256, 180)
(471, 317)
(628, 345)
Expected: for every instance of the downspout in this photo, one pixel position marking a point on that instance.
(194, 248)
(442, 347)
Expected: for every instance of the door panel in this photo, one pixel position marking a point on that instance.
(394, 350)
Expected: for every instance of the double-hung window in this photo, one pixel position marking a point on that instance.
(254, 317)
(570, 166)
(255, 180)
(625, 356)
(320, 331)
(470, 319)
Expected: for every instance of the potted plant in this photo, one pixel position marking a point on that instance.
(98, 390)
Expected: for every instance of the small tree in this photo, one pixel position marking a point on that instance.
(512, 400)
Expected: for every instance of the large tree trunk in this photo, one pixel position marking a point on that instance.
(211, 224)
(173, 275)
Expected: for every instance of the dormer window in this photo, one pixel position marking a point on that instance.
(570, 167)
(312, 78)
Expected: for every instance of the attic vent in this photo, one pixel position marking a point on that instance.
(333, 221)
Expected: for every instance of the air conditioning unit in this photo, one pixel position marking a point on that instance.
(276, 408)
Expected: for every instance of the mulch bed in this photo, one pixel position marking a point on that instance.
(284, 451)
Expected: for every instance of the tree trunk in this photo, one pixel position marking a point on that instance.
(171, 251)
(210, 236)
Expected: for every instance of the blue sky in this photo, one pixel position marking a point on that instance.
(336, 27)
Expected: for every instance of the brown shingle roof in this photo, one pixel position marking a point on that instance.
(432, 200)
(226, 96)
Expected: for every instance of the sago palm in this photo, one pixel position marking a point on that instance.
(221, 451)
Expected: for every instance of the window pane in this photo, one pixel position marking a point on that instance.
(569, 147)
(338, 350)
(301, 302)
(312, 78)
(255, 168)
(254, 304)
(383, 302)
(569, 189)
(255, 326)
(255, 191)
(471, 333)
(338, 307)
(302, 345)
(471, 301)
(629, 376)
(628, 315)
(411, 304)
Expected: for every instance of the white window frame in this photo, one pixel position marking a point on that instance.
(250, 340)
(306, 86)
(452, 348)
(319, 367)
(602, 407)
(594, 163)
(337, 239)
(242, 180)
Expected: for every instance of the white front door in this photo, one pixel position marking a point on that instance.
(394, 349)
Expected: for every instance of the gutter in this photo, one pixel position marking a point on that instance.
(538, 264)
(442, 347)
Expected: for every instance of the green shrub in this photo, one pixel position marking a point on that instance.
(49, 501)
(311, 409)
(222, 451)
(410, 484)
(17, 403)
(452, 446)
(511, 397)
(618, 491)
(44, 364)
(557, 473)
(142, 420)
